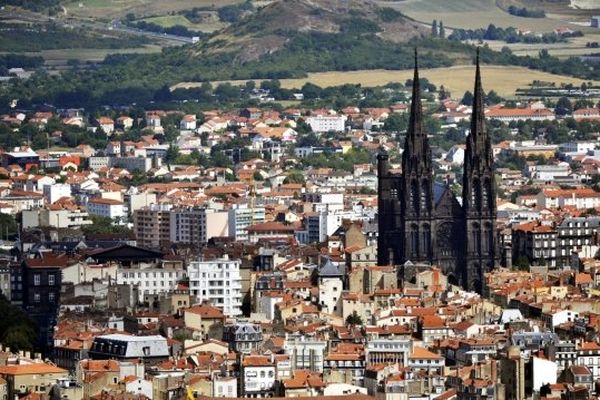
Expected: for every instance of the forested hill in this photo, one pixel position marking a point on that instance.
(287, 38)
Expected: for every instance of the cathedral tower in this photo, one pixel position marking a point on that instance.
(417, 178)
(479, 196)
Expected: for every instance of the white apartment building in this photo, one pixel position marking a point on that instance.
(219, 282)
(102, 207)
(150, 281)
(56, 191)
(326, 123)
(241, 217)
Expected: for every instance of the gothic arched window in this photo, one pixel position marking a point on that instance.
(476, 238)
(425, 195)
(414, 195)
(414, 239)
(426, 240)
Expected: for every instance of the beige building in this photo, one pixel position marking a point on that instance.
(151, 225)
(37, 378)
(201, 318)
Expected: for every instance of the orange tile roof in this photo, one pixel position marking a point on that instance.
(421, 353)
(31, 369)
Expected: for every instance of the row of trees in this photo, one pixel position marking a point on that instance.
(509, 35)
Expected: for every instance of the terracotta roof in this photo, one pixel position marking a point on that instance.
(257, 361)
(206, 311)
(421, 353)
(30, 369)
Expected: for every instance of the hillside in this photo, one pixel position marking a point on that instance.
(285, 39)
(269, 29)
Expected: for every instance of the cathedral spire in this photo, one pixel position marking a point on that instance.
(478, 134)
(415, 125)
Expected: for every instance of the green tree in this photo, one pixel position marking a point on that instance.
(434, 28)
(396, 122)
(563, 106)
(467, 99)
(172, 154)
(442, 30)
(295, 177)
(354, 319)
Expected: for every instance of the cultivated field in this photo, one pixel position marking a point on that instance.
(58, 58)
(575, 46)
(172, 20)
(502, 79)
(470, 14)
(118, 8)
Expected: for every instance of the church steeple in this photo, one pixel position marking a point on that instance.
(416, 145)
(479, 195)
(417, 179)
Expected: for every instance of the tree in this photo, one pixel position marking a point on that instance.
(563, 107)
(295, 177)
(172, 153)
(354, 319)
(434, 28)
(522, 262)
(442, 30)
(467, 99)
(396, 122)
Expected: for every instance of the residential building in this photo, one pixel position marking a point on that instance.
(241, 217)
(150, 349)
(257, 376)
(537, 242)
(327, 123)
(108, 208)
(56, 191)
(197, 225)
(36, 378)
(243, 337)
(218, 282)
(150, 281)
(152, 225)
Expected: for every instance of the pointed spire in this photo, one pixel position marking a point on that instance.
(478, 136)
(415, 122)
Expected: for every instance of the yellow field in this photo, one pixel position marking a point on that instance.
(458, 79)
(472, 14)
(575, 47)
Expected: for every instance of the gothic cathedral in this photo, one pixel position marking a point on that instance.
(421, 221)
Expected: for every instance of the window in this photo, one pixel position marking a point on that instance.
(51, 297)
(51, 280)
(146, 350)
(37, 278)
(36, 297)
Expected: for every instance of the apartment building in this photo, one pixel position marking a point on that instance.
(219, 282)
(538, 242)
(577, 235)
(197, 225)
(151, 225)
(241, 217)
(150, 281)
(160, 224)
(109, 208)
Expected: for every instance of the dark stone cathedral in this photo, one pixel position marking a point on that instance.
(421, 221)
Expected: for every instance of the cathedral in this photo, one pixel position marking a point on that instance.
(421, 221)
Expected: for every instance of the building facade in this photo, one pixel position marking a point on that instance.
(219, 282)
(421, 220)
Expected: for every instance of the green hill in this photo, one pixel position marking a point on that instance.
(285, 39)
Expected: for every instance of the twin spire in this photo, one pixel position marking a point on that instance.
(416, 135)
